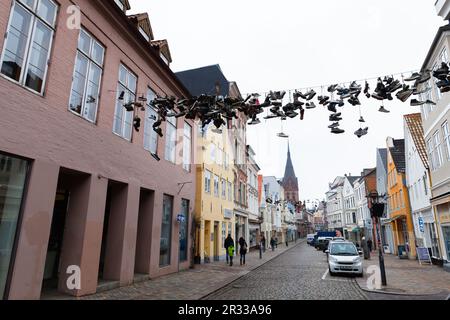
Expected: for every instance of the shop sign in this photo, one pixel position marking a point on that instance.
(227, 214)
(445, 217)
(421, 225)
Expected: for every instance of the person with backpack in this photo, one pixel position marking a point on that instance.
(243, 250)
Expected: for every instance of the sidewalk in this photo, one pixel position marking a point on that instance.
(408, 277)
(192, 284)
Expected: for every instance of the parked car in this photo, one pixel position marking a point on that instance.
(310, 238)
(339, 239)
(344, 257)
(322, 243)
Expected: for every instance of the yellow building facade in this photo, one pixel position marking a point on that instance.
(400, 209)
(214, 195)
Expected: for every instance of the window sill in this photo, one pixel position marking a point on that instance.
(122, 137)
(80, 116)
(17, 83)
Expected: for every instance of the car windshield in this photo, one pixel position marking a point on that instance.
(343, 249)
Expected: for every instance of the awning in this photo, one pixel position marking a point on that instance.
(388, 221)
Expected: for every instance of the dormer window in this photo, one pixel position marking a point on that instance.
(120, 4)
(144, 34)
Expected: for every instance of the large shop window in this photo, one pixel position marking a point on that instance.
(13, 174)
(187, 147)
(126, 94)
(184, 230)
(150, 136)
(87, 76)
(171, 139)
(27, 47)
(166, 232)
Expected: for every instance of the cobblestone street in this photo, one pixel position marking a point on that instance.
(298, 274)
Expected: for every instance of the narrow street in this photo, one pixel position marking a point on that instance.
(298, 274)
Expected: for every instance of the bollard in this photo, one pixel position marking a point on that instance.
(260, 251)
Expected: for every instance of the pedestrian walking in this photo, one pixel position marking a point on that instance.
(231, 254)
(369, 244)
(243, 250)
(228, 242)
(365, 248)
(272, 243)
(263, 243)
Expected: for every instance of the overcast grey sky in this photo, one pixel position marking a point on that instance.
(277, 45)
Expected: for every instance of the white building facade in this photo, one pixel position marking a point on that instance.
(418, 183)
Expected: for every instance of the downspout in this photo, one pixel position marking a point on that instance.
(438, 223)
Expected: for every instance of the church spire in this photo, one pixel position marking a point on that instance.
(289, 171)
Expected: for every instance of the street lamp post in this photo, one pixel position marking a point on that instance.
(377, 210)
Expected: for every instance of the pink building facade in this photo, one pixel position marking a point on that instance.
(79, 187)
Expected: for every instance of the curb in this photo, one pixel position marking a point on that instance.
(250, 270)
(399, 293)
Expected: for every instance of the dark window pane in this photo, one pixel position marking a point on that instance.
(166, 231)
(12, 180)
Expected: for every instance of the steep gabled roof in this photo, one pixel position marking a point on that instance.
(383, 156)
(414, 123)
(352, 179)
(163, 47)
(204, 80)
(398, 155)
(142, 20)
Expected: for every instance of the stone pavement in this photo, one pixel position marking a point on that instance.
(408, 277)
(192, 284)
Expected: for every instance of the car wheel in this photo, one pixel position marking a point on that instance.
(331, 272)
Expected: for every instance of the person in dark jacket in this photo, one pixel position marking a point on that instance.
(243, 249)
(272, 243)
(228, 243)
(263, 243)
(369, 244)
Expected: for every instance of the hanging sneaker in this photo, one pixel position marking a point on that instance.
(404, 95)
(430, 102)
(378, 96)
(302, 114)
(158, 131)
(323, 99)
(355, 87)
(424, 77)
(155, 156)
(310, 105)
(382, 109)
(334, 125)
(332, 88)
(332, 108)
(337, 131)
(361, 132)
(299, 94)
(282, 135)
(310, 95)
(442, 72)
(394, 86)
(362, 119)
(366, 88)
(354, 101)
(415, 76)
(445, 89)
(415, 102)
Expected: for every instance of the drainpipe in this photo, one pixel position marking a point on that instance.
(438, 223)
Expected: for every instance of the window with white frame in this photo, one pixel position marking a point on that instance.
(87, 76)
(431, 153)
(446, 133)
(437, 150)
(224, 189)
(207, 181)
(216, 185)
(126, 89)
(28, 41)
(171, 139)
(187, 146)
(151, 116)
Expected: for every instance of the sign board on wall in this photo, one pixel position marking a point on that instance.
(227, 214)
(421, 225)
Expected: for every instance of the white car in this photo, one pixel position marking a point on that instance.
(344, 257)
